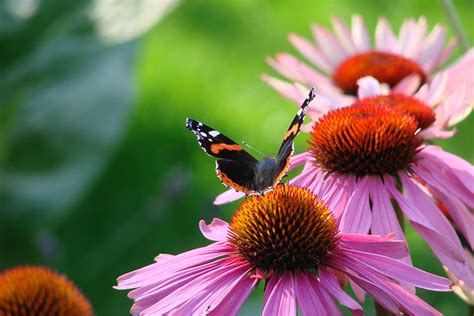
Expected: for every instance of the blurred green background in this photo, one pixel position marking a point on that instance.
(97, 172)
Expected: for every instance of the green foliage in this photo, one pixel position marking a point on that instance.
(97, 172)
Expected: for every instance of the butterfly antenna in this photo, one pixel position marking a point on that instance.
(247, 145)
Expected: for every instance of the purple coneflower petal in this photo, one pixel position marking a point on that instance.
(310, 52)
(330, 283)
(196, 296)
(385, 40)
(434, 44)
(215, 231)
(343, 34)
(160, 270)
(309, 299)
(368, 87)
(328, 45)
(447, 172)
(357, 217)
(400, 271)
(384, 218)
(408, 85)
(280, 299)
(403, 298)
(382, 245)
(228, 196)
(360, 34)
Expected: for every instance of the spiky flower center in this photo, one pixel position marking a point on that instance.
(287, 229)
(26, 291)
(385, 67)
(422, 113)
(365, 140)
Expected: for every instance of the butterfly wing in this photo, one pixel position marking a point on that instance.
(235, 167)
(286, 148)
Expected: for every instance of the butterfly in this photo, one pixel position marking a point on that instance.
(238, 169)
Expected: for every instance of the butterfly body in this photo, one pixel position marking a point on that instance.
(238, 169)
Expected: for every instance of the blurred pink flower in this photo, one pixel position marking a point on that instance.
(401, 63)
(289, 239)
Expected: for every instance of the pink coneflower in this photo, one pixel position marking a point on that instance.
(30, 290)
(290, 240)
(401, 63)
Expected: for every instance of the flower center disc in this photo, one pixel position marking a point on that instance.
(385, 67)
(26, 291)
(287, 229)
(365, 140)
(422, 113)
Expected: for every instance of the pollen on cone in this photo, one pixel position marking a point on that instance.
(29, 290)
(365, 140)
(287, 229)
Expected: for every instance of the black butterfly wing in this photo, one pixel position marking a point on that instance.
(235, 166)
(286, 148)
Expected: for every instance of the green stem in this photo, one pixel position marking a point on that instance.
(453, 17)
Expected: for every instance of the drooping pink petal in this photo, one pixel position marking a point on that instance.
(226, 297)
(447, 172)
(280, 299)
(384, 218)
(215, 231)
(309, 301)
(400, 271)
(460, 287)
(329, 282)
(406, 301)
(420, 208)
(357, 216)
(235, 297)
(382, 245)
(326, 299)
(461, 216)
(228, 196)
(433, 227)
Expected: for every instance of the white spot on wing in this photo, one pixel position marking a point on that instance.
(203, 134)
(214, 133)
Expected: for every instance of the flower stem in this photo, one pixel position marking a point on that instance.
(453, 16)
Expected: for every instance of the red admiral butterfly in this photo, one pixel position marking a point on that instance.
(238, 169)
